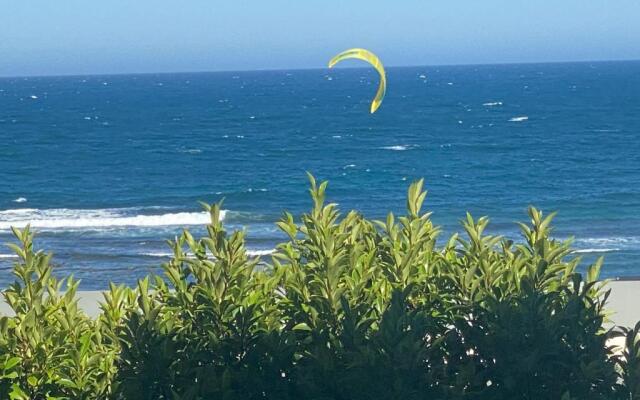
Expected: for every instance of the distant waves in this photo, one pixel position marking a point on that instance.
(73, 219)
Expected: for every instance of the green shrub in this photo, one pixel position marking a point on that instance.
(49, 349)
(348, 308)
(629, 361)
(207, 337)
(533, 326)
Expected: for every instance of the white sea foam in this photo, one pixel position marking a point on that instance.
(258, 253)
(190, 151)
(63, 218)
(492, 104)
(607, 244)
(595, 250)
(20, 200)
(250, 253)
(251, 190)
(8, 256)
(163, 254)
(614, 239)
(611, 240)
(519, 119)
(400, 147)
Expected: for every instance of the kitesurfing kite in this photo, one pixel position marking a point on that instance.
(366, 55)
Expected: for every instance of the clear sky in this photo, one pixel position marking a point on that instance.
(44, 37)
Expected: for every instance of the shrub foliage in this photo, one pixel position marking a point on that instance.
(348, 308)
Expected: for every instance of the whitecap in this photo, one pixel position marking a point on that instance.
(519, 119)
(250, 253)
(400, 147)
(190, 151)
(258, 253)
(163, 254)
(492, 104)
(595, 250)
(20, 200)
(616, 243)
(33, 96)
(63, 218)
(8, 256)
(349, 166)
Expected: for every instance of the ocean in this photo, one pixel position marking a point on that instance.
(107, 168)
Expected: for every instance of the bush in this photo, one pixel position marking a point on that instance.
(348, 309)
(49, 349)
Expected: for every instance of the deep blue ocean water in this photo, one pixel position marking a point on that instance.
(106, 168)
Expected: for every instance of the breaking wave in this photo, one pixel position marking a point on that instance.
(250, 253)
(64, 218)
(519, 119)
(401, 147)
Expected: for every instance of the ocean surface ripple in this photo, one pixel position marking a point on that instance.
(107, 168)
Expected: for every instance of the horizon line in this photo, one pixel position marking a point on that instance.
(223, 71)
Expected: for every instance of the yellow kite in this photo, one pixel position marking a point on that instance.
(366, 55)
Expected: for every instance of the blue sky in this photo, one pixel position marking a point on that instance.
(43, 37)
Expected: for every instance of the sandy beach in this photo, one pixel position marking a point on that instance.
(624, 302)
